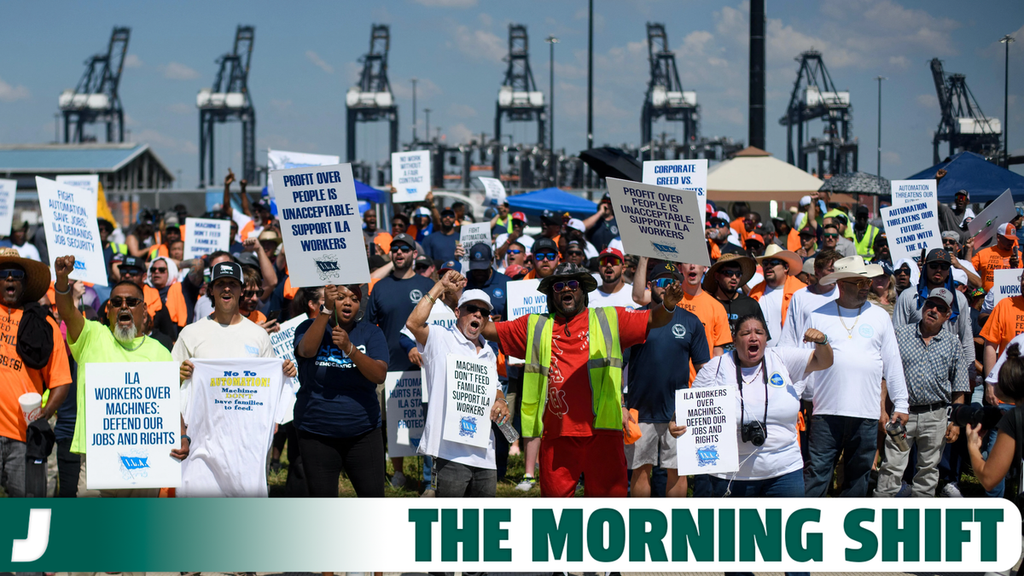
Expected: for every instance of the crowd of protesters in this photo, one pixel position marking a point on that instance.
(852, 372)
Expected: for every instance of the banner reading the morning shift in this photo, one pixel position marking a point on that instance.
(510, 535)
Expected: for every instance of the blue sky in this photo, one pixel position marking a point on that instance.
(306, 57)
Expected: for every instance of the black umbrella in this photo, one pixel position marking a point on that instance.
(610, 162)
(857, 183)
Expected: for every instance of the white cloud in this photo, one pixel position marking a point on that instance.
(178, 71)
(891, 159)
(318, 62)
(10, 93)
(929, 101)
(462, 111)
(181, 108)
(447, 3)
(479, 44)
(899, 62)
(132, 61)
(458, 134)
(425, 89)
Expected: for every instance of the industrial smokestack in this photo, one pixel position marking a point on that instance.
(755, 134)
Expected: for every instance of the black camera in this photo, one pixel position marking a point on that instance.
(754, 432)
(974, 414)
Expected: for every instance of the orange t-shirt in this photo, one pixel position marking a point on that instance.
(1005, 322)
(989, 260)
(17, 379)
(714, 318)
(257, 317)
(793, 240)
(152, 297)
(383, 239)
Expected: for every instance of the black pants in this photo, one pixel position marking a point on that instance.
(69, 466)
(362, 457)
(295, 486)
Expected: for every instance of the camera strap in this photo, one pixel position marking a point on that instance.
(739, 383)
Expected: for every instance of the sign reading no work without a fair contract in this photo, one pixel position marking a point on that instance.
(659, 222)
(410, 175)
(320, 225)
(911, 228)
(206, 236)
(69, 215)
(681, 175)
(8, 189)
(709, 444)
(1005, 284)
(493, 189)
(132, 422)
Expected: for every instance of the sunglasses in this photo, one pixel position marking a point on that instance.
(830, 235)
(249, 294)
(546, 256)
(772, 263)
(119, 302)
(938, 266)
(942, 308)
(859, 282)
(510, 251)
(571, 284)
(901, 272)
(131, 272)
(574, 253)
(731, 273)
(663, 282)
(610, 261)
(158, 270)
(402, 249)
(473, 309)
(12, 274)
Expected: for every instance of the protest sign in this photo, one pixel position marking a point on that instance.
(410, 175)
(205, 236)
(404, 393)
(523, 298)
(320, 225)
(493, 189)
(914, 192)
(470, 235)
(69, 215)
(911, 228)
(709, 444)
(984, 227)
(132, 423)
(471, 389)
(284, 160)
(283, 342)
(8, 189)
(680, 175)
(1005, 284)
(90, 182)
(659, 222)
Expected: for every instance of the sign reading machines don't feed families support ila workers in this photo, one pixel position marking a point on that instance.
(320, 225)
(659, 222)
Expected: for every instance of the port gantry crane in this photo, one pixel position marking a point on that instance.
(229, 100)
(962, 124)
(371, 100)
(95, 99)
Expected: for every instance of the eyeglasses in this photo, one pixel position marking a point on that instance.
(859, 282)
(403, 249)
(158, 270)
(575, 253)
(901, 272)
(663, 282)
(571, 284)
(938, 266)
(511, 251)
(731, 273)
(473, 309)
(119, 302)
(249, 294)
(942, 308)
(131, 272)
(773, 262)
(830, 235)
(546, 256)
(12, 274)
(610, 261)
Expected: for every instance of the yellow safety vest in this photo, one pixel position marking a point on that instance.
(866, 245)
(604, 369)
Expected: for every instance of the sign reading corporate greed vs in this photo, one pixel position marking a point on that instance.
(659, 222)
(320, 225)
(69, 215)
(681, 175)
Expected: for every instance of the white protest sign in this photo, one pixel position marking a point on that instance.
(470, 235)
(90, 182)
(403, 391)
(680, 175)
(205, 236)
(132, 422)
(284, 160)
(283, 342)
(493, 189)
(440, 315)
(8, 189)
(709, 444)
(659, 222)
(471, 388)
(69, 215)
(523, 298)
(1005, 284)
(984, 227)
(911, 228)
(410, 175)
(914, 192)
(320, 225)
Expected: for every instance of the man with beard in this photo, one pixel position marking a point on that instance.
(613, 291)
(392, 300)
(847, 395)
(724, 280)
(121, 340)
(443, 245)
(775, 292)
(572, 390)
(545, 259)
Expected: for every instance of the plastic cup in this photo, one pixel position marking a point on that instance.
(31, 404)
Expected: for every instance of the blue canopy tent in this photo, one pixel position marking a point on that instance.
(371, 194)
(535, 203)
(983, 180)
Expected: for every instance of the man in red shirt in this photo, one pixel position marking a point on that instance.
(580, 374)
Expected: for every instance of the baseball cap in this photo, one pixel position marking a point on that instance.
(710, 208)
(577, 224)
(447, 211)
(230, 270)
(550, 217)
(963, 193)
(938, 255)
(450, 265)
(808, 267)
(476, 295)
(404, 239)
(941, 294)
(805, 200)
(666, 269)
(421, 211)
(862, 210)
(544, 245)
(612, 252)
(133, 262)
(480, 256)
(807, 231)
(755, 237)
(519, 216)
(423, 262)
(1007, 230)
(951, 235)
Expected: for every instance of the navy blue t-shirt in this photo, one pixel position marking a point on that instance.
(497, 288)
(660, 366)
(334, 397)
(440, 247)
(391, 303)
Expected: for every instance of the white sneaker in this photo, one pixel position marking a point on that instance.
(950, 491)
(527, 484)
(398, 480)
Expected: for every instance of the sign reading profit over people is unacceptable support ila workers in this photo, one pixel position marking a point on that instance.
(320, 225)
(659, 222)
(69, 215)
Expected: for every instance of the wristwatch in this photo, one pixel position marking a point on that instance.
(324, 310)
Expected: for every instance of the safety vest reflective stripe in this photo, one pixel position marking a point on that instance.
(119, 248)
(866, 245)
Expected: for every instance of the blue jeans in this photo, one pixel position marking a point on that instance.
(830, 436)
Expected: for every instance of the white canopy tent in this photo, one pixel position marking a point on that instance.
(753, 175)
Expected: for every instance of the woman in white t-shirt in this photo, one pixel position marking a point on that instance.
(769, 384)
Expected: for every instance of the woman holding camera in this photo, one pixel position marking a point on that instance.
(768, 383)
(1009, 388)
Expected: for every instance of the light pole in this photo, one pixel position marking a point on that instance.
(1006, 92)
(414, 111)
(878, 168)
(590, 82)
(551, 98)
(427, 112)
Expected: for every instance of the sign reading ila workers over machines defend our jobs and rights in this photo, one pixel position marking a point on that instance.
(206, 236)
(709, 444)
(132, 422)
(470, 393)
(410, 175)
(659, 222)
(69, 215)
(681, 175)
(320, 225)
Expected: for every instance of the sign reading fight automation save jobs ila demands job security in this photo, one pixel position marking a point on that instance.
(320, 225)
(659, 222)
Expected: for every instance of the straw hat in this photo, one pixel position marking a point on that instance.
(852, 267)
(774, 251)
(747, 267)
(37, 274)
